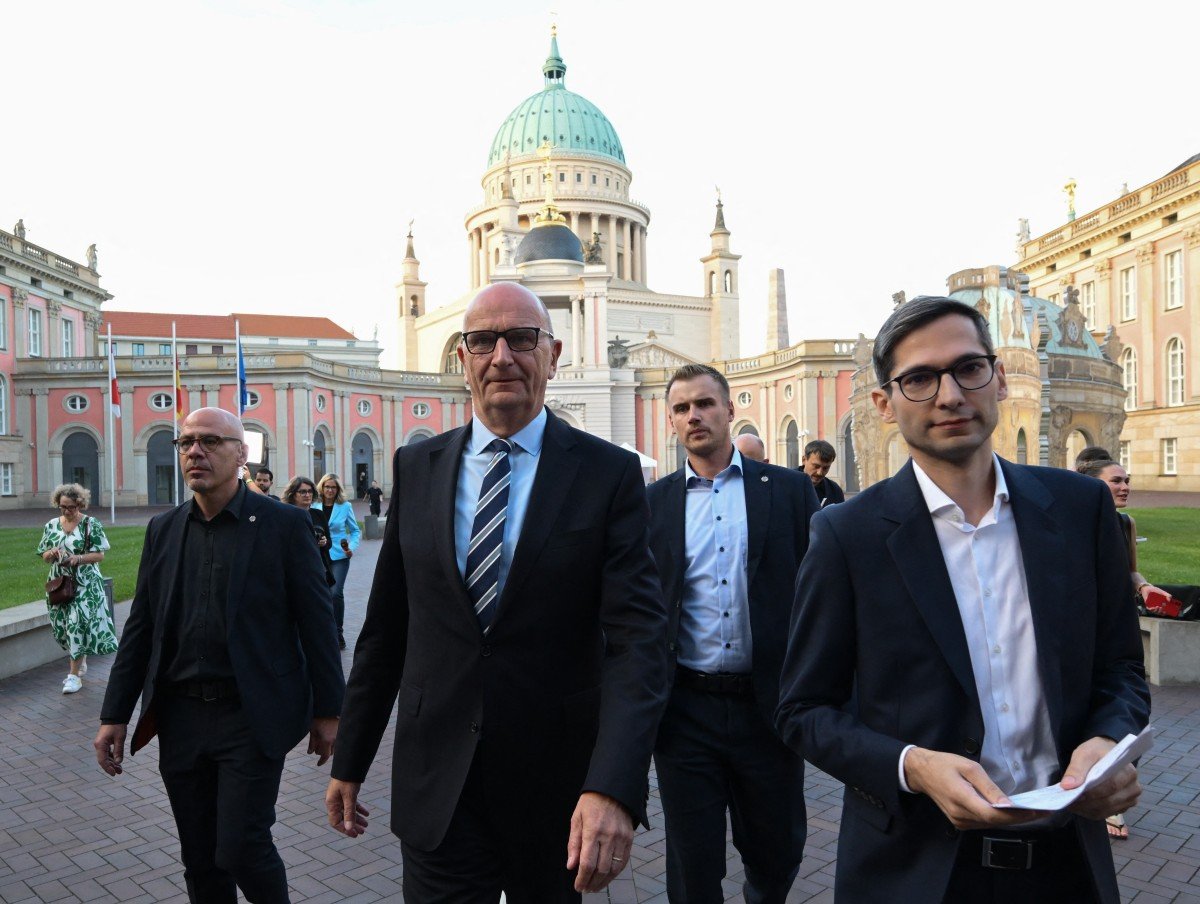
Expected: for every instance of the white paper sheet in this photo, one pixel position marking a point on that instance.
(1053, 797)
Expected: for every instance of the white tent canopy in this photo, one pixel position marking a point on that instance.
(646, 460)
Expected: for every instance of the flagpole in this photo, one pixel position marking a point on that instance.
(175, 399)
(240, 373)
(112, 454)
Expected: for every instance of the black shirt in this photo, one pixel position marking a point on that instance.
(195, 646)
(829, 493)
(376, 496)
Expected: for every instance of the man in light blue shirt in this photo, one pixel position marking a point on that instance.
(728, 533)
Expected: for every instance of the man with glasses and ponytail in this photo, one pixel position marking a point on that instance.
(516, 615)
(961, 633)
(231, 645)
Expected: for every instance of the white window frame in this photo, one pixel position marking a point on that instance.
(164, 349)
(3, 322)
(170, 401)
(86, 403)
(1087, 304)
(363, 407)
(1170, 456)
(35, 333)
(1129, 378)
(253, 399)
(1123, 455)
(1175, 371)
(1128, 281)
(320, 403)
(421, 410)
(1173, 280)
(745, 398)
(68, 337)
(6, 479)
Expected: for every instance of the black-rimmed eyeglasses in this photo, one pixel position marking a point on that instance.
(304, 491)
(969, 373)
(209, 442)
(519, 339)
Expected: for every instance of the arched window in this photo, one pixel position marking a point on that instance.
(712, 282)
(450, 362)
(729, 281)
(1129, 378)
(1175, 372)
(1022, 448)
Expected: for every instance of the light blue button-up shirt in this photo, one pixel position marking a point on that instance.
(523, 462)
(714, 624)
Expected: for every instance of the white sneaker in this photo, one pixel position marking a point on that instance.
(82, 666)
(72, 684)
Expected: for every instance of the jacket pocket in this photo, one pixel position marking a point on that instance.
(410, 699)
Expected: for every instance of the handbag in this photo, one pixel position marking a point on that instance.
(61, 590)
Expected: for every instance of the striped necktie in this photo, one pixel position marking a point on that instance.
(482, 572)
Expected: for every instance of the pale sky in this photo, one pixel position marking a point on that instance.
(267, 156)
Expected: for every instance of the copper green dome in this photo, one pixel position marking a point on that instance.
(554, 114)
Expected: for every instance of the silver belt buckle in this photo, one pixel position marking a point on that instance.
(1007, 853)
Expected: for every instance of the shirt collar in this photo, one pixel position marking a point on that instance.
(938, 502)
(734, 467)
(233, 506)
(528, 438)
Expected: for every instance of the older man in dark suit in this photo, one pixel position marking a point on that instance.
(516, 614)
(962, 632)
(232, 647)
(728, 533)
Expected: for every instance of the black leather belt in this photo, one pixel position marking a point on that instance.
(719, 683)
(1032, 850)
(208, 691)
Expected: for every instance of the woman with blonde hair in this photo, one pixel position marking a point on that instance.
(74, 544)
(343, 535)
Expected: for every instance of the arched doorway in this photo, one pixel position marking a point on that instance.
(792, 445)
(81, 463)
(160, 470)
(416, 436)
(748, 428)
(363, 457)
(850, 466)
(1077, 441)
(318, 452)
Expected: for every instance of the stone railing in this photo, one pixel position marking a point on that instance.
(1052, 239)
(6, 240)
(1127, 203)
(1085, 224)
(1169, 184)
(565, 195)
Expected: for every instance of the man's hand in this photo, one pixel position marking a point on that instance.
(346, 814)
(961, 789)
(321, 735)
(601, 838)
(1116, 795)
(110, 748)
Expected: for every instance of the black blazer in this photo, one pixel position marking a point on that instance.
(281, 633)
(875, 619)
(565, 692)
(779, 504)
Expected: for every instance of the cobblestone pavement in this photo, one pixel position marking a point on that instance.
(70, 833)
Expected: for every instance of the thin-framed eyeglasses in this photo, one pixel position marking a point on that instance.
(969, 373)
(519, 339)
(209, 442)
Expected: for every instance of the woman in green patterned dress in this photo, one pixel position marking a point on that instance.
(82, 626)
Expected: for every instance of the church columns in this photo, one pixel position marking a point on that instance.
(473, 257)
(576, 331)
(595, 226)
(642, 255)
(627, 262)
(575, 224)
(612, 245)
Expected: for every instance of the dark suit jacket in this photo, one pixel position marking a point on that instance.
(280, 629)
(565, 692)
(779, 504)
(875, 615)
(833, 493)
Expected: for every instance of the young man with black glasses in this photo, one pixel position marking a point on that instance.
(962, 632)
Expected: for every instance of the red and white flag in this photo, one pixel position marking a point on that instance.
(114, 396)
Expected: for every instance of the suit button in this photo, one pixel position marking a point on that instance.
(486, 650)
(474, 728)
(671, 646)
(971, 746)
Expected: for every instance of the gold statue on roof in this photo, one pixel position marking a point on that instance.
(1069, 188)
(549, 212)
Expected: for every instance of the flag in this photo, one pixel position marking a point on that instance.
(243, 395)
(178, 384)
(114, 397)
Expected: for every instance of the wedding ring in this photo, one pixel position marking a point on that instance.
(617, 859)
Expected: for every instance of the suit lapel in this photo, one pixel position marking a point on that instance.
(675, 498)
(444, 465)
(556, 471)
(1043, 546)
(756, 487)
(918, 556)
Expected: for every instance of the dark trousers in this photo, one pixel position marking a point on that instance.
(339, 568)
(222, 791)
(716, 751)
(488, 849)
(1059, 872)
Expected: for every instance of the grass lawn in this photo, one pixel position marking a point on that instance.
(25, 573)
(1171, 553)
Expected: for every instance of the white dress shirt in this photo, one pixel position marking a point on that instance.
(987, 575)
(714, 624)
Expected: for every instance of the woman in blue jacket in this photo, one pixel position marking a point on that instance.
(344, 536)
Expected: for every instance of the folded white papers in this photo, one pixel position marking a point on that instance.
(1053, 797)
